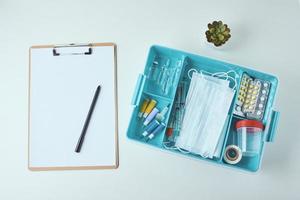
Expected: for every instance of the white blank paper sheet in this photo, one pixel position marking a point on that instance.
(61, 92)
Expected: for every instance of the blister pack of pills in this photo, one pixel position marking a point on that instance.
(252, 98)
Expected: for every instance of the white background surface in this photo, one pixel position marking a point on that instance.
(265, 36)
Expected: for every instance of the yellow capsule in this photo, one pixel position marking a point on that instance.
(149, 108)
(143, 107)
(254, 92)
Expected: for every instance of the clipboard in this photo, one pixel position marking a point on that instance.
(62, 82)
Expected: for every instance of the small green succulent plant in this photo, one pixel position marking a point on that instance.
(217, 33)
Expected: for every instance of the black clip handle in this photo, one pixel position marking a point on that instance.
(88, 52)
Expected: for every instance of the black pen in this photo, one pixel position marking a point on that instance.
(87, 121)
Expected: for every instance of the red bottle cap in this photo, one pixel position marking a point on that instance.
(169, 132)
(249, 123)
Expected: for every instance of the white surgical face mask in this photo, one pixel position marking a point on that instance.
(206, 109)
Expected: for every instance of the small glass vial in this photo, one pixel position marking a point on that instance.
(249, 136)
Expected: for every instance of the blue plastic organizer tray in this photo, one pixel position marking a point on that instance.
(180, 62)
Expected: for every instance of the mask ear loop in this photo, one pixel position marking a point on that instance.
(216, 74)
(226, 74)
(236, 76)
(175, 148)
(203, 72)
(221, 75)
(192, 70)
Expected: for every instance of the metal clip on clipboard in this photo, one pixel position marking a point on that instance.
(72, 49)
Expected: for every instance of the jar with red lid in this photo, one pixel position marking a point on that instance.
(249, 136)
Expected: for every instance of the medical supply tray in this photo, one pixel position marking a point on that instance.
(147, 89)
